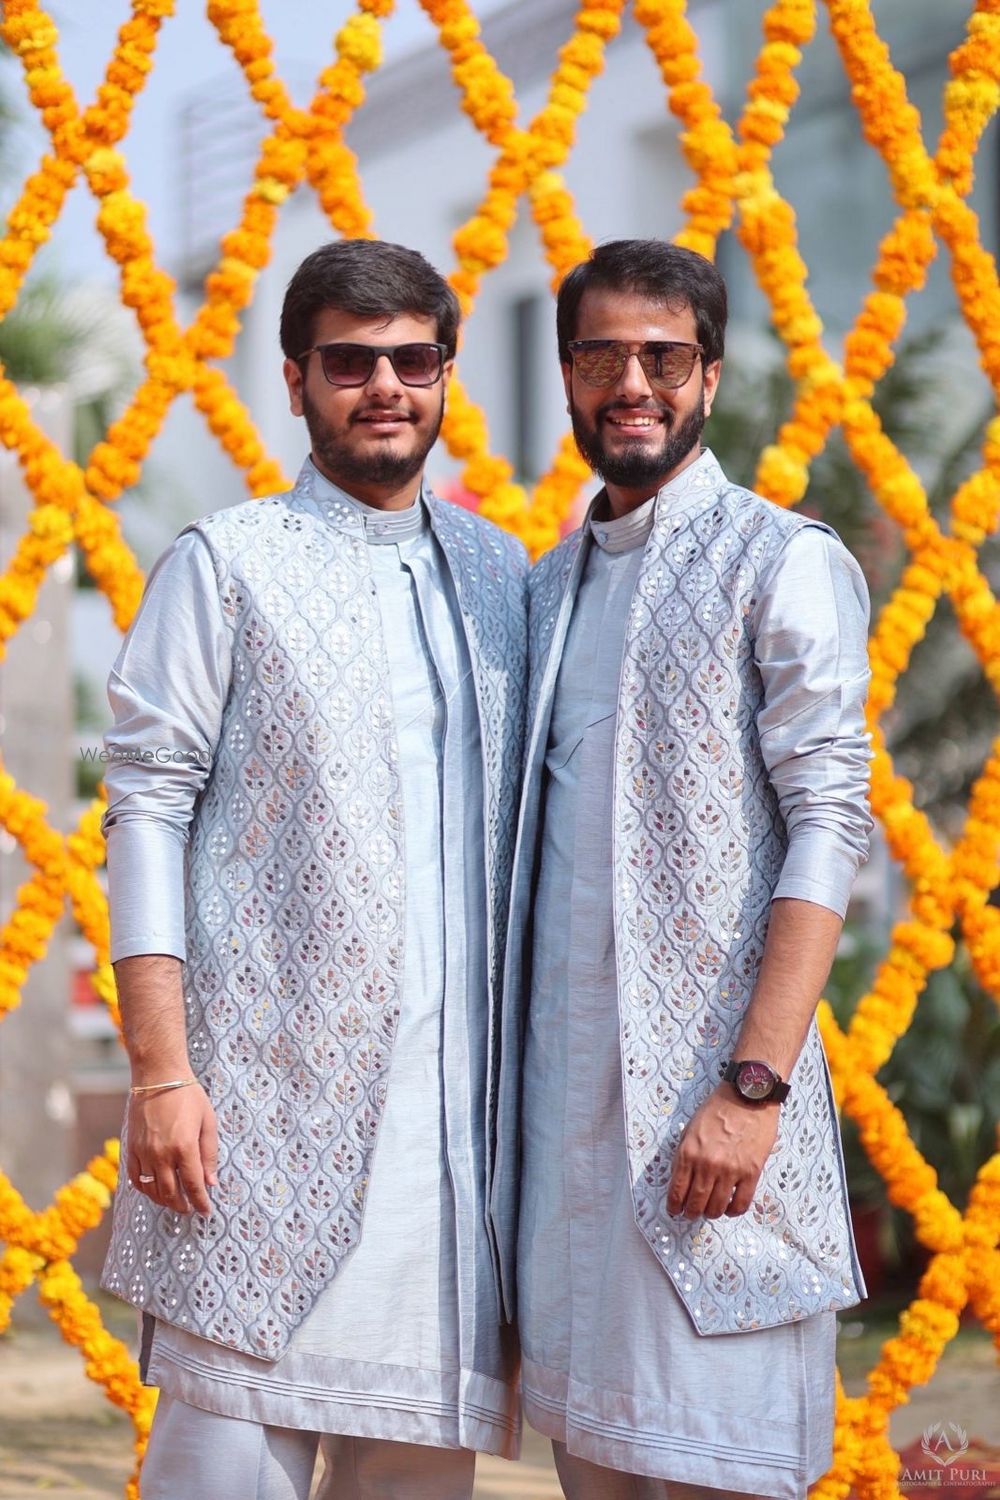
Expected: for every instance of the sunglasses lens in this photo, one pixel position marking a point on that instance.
(347, 364)
(668, 365)
(600, 363)
(417, 364)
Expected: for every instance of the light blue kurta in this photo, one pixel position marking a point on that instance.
(612, 1364)
(404, 1343)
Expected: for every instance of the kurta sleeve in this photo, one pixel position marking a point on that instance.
(811, 650)
(167, 690)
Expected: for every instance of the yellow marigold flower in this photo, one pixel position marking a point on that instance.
(359, 41)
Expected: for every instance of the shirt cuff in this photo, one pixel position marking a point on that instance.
(818, 868)
(145, 888)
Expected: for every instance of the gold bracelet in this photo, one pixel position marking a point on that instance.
(149, 1088)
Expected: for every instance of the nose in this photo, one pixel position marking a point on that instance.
(383, 379)
(632, 383)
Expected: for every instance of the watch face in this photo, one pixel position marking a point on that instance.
(755, 1080)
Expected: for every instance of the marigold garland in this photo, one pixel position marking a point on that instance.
(526, 163)
(733, 187)
(706, 139)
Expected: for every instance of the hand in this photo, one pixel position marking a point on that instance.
(721, 1156)
(172, 1138)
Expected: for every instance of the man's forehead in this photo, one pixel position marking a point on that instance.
(625, 308)
(337, 322)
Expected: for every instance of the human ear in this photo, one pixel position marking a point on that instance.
(710, 383)
(294, 380)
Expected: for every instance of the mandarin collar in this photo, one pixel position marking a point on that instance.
(688, 492)
(623, 533)
(342, 511)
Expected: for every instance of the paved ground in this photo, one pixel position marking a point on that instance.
(60, 1438)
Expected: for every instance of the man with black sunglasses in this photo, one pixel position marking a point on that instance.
(695, 810)
(311, 802)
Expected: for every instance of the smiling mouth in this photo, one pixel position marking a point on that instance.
(383, 419)
(631, 423)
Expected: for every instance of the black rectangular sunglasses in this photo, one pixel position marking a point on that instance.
(352, 364)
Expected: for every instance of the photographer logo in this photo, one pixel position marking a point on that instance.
(943, 1446)
(944, 1442)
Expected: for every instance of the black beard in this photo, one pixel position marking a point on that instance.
(636, 466)
(345, 467)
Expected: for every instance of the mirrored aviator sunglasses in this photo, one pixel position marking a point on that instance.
(601, 362)
(353, 364)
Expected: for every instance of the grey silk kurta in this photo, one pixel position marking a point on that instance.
(404, 1343)
(612, 1364)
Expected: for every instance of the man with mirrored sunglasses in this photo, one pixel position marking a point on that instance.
(308, 900)
(695, 811)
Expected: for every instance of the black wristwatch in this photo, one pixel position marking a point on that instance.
(757, 1082)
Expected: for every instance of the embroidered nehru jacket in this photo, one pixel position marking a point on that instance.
(295, 899)
(702, 769)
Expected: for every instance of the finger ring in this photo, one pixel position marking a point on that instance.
(146, 1179)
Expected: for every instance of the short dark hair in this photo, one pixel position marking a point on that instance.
(655, 269)
(369, 278)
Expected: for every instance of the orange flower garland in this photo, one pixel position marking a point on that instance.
(39, 1247)
(31, 34)
(707, 140)
(526, 162)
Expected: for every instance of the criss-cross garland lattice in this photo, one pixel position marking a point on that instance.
(733, 186)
